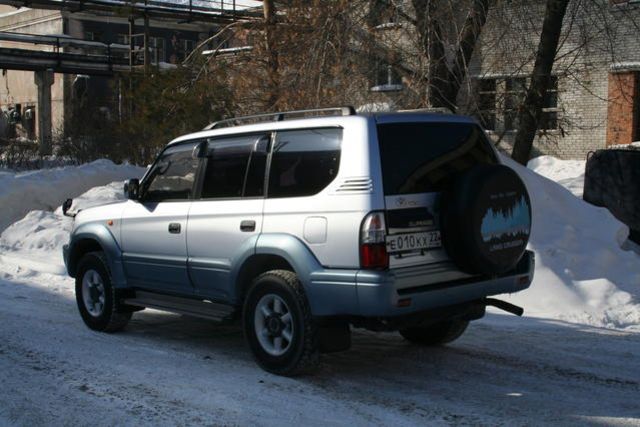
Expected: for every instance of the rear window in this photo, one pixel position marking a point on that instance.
(420, 157)
(304, 162)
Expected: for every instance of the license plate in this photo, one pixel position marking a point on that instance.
(413, 241)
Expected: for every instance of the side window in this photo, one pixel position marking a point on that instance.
(304, 161)
(172, 176)
(235, 167)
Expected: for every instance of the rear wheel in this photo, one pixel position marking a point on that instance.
(96, 297)
(278, 324)
(436, 334)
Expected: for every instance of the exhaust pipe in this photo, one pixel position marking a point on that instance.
(503, 305)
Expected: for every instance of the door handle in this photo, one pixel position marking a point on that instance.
(248, 225)
(174, 228)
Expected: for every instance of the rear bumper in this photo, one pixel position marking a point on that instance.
(380, 293)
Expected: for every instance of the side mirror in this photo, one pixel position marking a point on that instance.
(66, 206)
(131, 188)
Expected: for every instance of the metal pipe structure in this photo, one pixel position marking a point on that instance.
(194, 10)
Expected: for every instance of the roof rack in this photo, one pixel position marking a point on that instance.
(432, 110)
(278, 117)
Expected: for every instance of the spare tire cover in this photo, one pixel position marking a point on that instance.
(486, 219)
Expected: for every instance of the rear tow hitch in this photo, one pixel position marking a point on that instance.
(503, 305)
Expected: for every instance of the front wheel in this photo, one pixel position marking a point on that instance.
(436, 334)
(96, 296)
(278, 324)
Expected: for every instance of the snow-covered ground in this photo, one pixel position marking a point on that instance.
(573, 359)
(568, 173)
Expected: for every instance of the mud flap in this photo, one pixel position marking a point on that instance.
(334, 337)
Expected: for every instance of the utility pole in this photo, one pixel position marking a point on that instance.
(146, 45)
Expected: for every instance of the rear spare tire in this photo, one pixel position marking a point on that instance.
(486, 219)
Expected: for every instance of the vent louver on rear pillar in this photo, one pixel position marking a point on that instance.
(355, 185)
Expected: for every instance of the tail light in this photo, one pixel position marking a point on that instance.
(373, 250)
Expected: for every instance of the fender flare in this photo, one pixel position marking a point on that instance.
(316, 280)
(100, 234)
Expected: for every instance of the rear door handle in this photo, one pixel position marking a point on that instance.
(248, 225)
(174, 228)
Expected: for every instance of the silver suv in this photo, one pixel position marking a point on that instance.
(307, 223)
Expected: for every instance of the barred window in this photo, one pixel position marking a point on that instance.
(516, 90)
(487, 90)
(549, 118)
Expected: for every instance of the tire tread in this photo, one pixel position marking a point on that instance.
(309, 360)
(118, 318)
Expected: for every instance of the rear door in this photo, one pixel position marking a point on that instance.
(226, 215)
(418, 160)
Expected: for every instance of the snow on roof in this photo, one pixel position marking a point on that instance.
(229, 50)
(625, 66)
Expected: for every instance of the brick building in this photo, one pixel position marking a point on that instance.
(594, 100)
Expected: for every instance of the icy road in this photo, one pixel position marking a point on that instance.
(169, 369)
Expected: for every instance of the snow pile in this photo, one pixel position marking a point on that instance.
(36, 241)
(582, 273)
(48, 188)
(568, 173)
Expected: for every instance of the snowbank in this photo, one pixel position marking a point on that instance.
(47, 188)
(582, 273)
(35, 242)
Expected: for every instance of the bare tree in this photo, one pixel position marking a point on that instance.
(531, 111)
(269, 10)
(446, 73)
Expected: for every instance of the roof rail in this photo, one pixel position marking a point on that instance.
(278, 117)
(432, 110)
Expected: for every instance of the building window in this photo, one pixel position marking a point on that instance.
(502, 98)
(385, 13)
(516, 90)
(158, 49)
(487, 90)
(122, 39)
(183, 48)
(385, 77)
(188, 46)
(549, 118)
